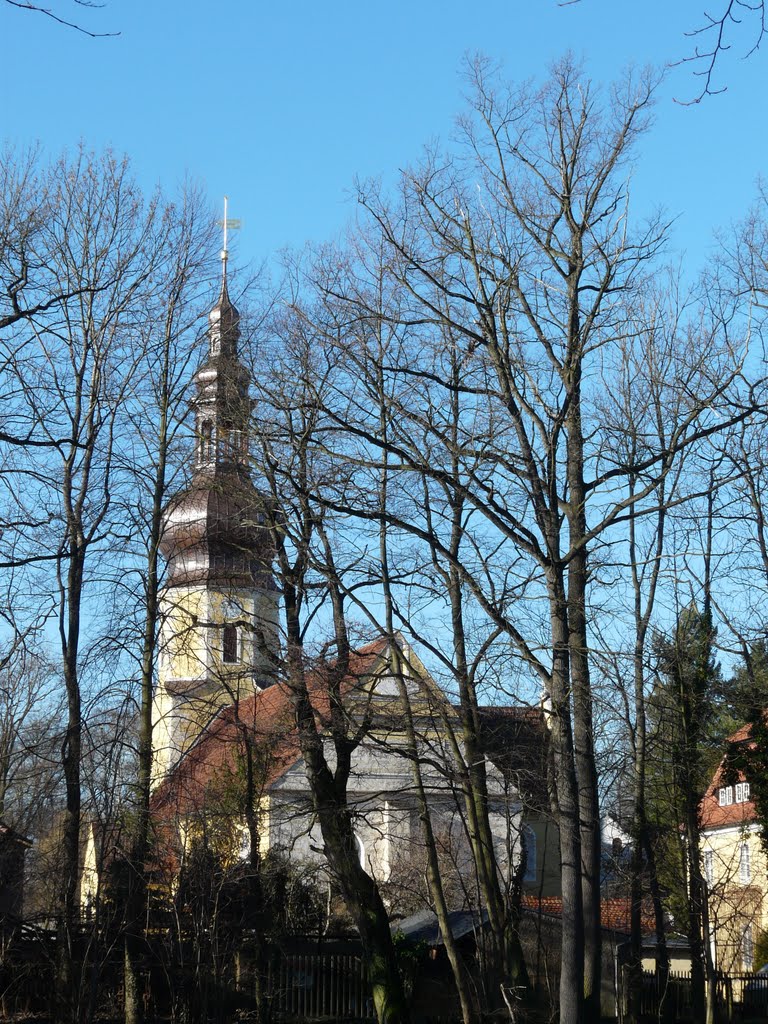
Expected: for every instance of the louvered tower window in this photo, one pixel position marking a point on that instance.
(229, 644)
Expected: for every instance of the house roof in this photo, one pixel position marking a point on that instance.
(423, 925)
(711, 814)
(615, 912)
(267, 720)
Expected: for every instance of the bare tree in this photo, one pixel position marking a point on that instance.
(517, 252)
(292, 466)
(164, 345)
(72, 369)
(713, 38)
(55, 14)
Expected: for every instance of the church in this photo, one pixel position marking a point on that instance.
(222, 705)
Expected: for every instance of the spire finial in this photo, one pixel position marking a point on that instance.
(224, 251)
(227, 224)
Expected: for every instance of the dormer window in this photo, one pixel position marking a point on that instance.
(725, 796)
(229, 638)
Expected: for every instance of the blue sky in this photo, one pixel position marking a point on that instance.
(281, 106)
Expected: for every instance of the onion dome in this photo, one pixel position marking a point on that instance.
(215, 532)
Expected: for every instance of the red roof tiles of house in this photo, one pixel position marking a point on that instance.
(614, 912)
(711, 813)
(267, 720)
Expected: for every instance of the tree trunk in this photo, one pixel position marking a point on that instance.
(359, 890)
(567, 815)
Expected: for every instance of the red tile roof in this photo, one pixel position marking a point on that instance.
(614, 912)
(267, 720)
(711, 814)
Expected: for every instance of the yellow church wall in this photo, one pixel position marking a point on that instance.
(194, 680)
(230, 841)
(183, 644)
(192, 635)
(89, 875)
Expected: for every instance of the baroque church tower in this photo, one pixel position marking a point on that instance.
(219, 605)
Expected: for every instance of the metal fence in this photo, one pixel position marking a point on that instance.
(318, 986)
(740, 997)
(675, 993)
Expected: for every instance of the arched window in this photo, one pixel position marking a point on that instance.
(229, 644)
(206, 441)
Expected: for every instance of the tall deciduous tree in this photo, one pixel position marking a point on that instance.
(294, 469)
(72, 366)
(164, 346)
(517, 253)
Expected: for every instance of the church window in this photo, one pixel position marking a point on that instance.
(229, 644)
(725, 796)
(745, 873)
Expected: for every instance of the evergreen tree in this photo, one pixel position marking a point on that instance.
(683, 714)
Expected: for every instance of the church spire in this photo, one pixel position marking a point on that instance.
(224, 319)
(222, 405)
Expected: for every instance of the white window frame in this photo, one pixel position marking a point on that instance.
(742, 792)
(725, 796)
(360, 851)
(745, 871)
(709, 866)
